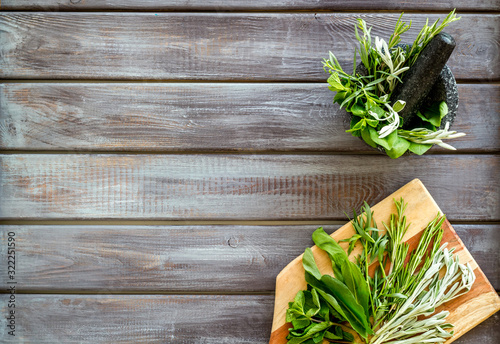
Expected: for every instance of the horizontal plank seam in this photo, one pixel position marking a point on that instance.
(180, 223)
(252, 11)
(5, 80)
(138, 293)
(249, 152)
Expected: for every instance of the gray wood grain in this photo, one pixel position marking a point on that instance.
(208, 117)
(261, 5)
(237, 187)
(157, 259)
(140, 319)
(173, 319)
(220, 46)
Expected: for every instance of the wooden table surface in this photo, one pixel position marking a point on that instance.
(162, 160)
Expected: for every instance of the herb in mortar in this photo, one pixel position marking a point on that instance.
(389, 295)
(367, 95)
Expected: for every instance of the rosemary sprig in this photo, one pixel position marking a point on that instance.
(427, 136)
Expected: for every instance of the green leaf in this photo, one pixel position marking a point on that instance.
(335, 83)
(398, 295)
(335, 252)
(329, 335)
(296, 308)
(398, 149)
(377, 109)
(372, 122)
(339, 97)
(365, 134)
(358, 126)
(374, 136)
(310, 264)
(348, 336)
(312, 304)
(419, 148)
(353, 311)
(443, 109)
(358, 110)
(349, 98)
(434, 113)
(392, 138)
(374, 82)
(352, 242)
(356, 283)
(354, 120)
(300, 323)
(399, 105)
(309, 332)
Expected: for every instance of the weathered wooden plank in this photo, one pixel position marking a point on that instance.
(139, 319)
(98, 259)
(238, 187)
(208, 319)
(241, 5)
(207, 46)
(206, 117)
(484, 333)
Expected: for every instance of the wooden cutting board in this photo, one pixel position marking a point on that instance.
(466, 311)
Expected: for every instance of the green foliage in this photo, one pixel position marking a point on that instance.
(394, 301)
(367, 96)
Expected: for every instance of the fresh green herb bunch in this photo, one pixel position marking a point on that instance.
(388, 295)
(366, 94)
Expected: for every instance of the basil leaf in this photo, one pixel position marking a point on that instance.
(358, 126)
(434, 113)
(339, 97)
(365, 134)
(348, 336)
(312, 304)
(377, 109)
(419, 148)
(374, 136)
(354, 120)
(335, 84)
(309, 332)
(398, 149)
(296, 308)
(329, 335)
(392, 138)
(299, 324)
(358, 110)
